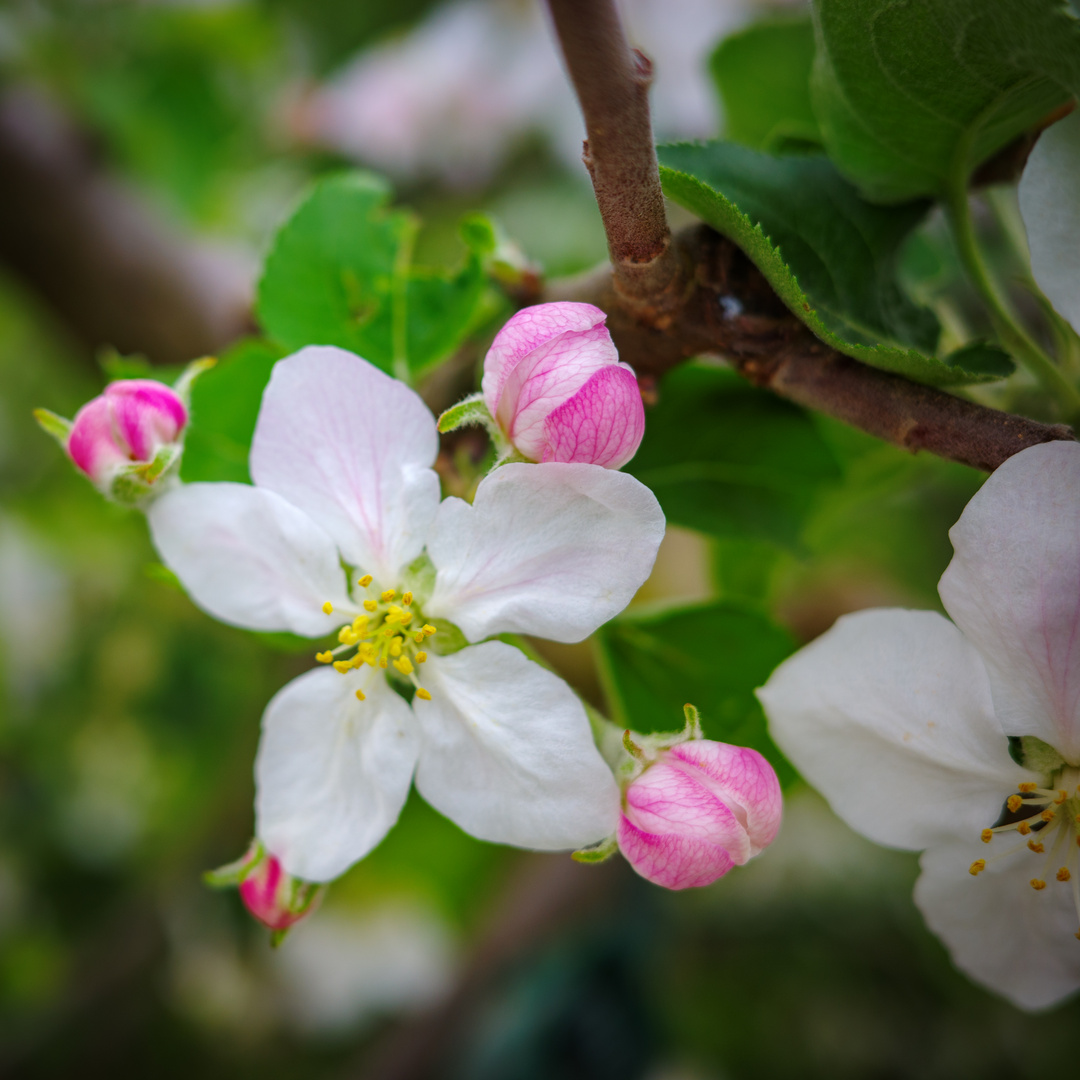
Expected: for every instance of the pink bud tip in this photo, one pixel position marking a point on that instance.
(700, 809)
(271, 895)
(553, 380)
(128, 423)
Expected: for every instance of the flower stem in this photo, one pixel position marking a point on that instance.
(1012, 334)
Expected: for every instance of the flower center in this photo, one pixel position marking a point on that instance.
(1049, 820)
(388, 634)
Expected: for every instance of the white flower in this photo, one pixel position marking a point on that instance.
(344, 525)
(900, 718)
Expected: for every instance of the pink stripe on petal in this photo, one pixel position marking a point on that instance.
(92, 444)
(675, 862)
(146, 415)
(602, 424)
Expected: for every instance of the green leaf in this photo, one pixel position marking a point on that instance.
(713, 655)
(729, 459)
(763, 75)
(225, 404)
(340, 273)
(830, 256)
(912, 96)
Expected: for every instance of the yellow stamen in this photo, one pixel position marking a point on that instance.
(404, 665)
(423, 694)
(1047, 815)
(1036, 847)
(348, 636)
(1038, 884)
(328, 608)
(418, 637)
(360, 695)
(395, 646)
(1027, 787)
(388, 595)
(359, 624)
(977, 867)
(383, 663)
(1063, 874)
(1023, 828)
(1014, 802)
(365, 581)
(324, 657)
(421, 657)
(987, 835)
(342, 666)
(407, 599)
(370, 605)
(429, 629)
(1061, 797)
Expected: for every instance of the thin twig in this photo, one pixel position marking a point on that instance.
(612, 83)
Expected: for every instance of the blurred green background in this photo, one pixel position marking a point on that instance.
(147, 152)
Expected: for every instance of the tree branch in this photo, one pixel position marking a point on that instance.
(698, 293)
(612, 83)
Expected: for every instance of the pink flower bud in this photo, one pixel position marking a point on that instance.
(698, 810)
(128, 423)
(553, 381)
(275, 897)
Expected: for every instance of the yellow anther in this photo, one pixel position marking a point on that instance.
(1026, 787)
(1061, 797)
(1037, 884)
(359, 624)
(429, 629)
(987, 835)
(418, 637)
(347, 636)
(1036, 847)
(1063, 874)
(324, 657)
(407, 599)
(370, 605)
(1047, 814)
(383, 663)
(360, 695)
(388, 595)
(342, 666)
(328, 608)
(1014, 802)
(1023, 828)
(421, 657)
(365, 581)
(395, 646)
(977, 867)
(423, 694)
(404, 665)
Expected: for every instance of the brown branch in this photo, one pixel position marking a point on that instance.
(612, 84)
(84, 242)
(669, 299)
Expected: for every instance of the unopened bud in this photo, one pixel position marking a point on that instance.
(698, 810)
(554, 384)
(272, 895)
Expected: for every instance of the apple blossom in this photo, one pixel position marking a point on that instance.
(557, 390)
(957, 737)
(344, 529)
(696, 809)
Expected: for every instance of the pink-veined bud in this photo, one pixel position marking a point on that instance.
(698, 810)
(555, 385)
(127, 424)
(275, 897)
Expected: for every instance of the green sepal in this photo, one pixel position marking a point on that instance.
(232, 874)
(56, 426)
(469, 412)
(1032, 753)
(182, 386)
(598, 852)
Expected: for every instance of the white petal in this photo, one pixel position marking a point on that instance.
(999, 931)
(508, 753)
(250, 558)
(352, 448)
(553, 550)
(889, 716)
(1051, 213)
(332, 772)
(1013, 587)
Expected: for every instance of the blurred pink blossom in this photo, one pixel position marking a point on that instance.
(276, 898)
(698, 810)
(458, 94)
(555, 385)
(129, 422)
